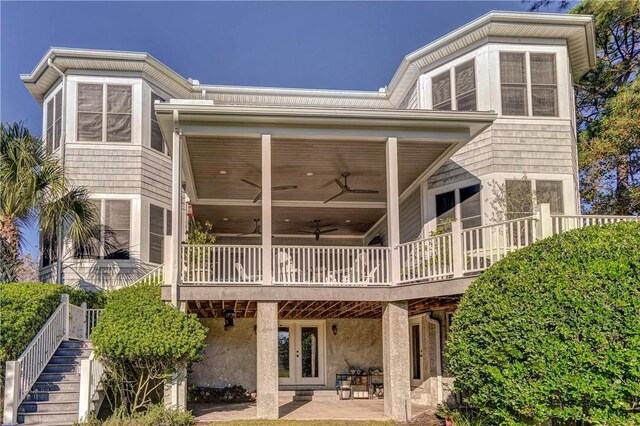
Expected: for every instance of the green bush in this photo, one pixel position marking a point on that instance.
(552, 332)
(156, 415)
(142, 341)
(24, 309)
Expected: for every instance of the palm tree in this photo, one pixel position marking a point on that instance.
(32, 188)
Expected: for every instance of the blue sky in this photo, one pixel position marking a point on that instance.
(333, 45)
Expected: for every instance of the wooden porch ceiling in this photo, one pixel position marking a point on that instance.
(317, 309)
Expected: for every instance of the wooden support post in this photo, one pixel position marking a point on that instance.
(393, 208)
(266, 210)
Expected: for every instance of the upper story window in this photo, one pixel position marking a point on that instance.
(104, 113)
(157, 142)
(54, 122)
(464, 88)
(516, 88)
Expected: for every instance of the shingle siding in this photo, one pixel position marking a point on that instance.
(104, 170)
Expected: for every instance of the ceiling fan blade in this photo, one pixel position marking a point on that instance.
(364, 191)
(251, 183)
(282, 188)
(334, 197)
(324, 231)
(255, 200)
(340, 184)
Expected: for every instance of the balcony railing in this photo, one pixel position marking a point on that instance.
(461, 252)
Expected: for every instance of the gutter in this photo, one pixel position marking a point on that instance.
(63, 121)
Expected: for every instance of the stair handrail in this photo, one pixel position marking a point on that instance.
(91, 373)
(154, 276)
(21, 374)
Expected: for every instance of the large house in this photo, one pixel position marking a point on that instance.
(382, 206)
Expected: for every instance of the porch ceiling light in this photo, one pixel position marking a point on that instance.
(348, 221)
(287, 220)
(225, 218)
(223, 172)
(309, 173)
(228, 318)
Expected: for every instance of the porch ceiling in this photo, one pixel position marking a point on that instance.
(289, 220)
(293, 160)
(317, 309)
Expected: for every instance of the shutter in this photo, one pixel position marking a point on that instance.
(118, 113)
(156, 233)
(89, 113)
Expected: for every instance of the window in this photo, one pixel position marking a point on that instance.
(513, 81)
(416, 352)
(519, 198)
(115, 220)
(49, 250)
(466, 87)
(550, 191)
(157, 142)
(445, 206)
(543, 85)
(441, 91)
(54, 122)
(104, 113)
(470, 210)
(159, 226)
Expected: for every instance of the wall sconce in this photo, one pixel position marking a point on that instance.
(228, 318)
(334, 329)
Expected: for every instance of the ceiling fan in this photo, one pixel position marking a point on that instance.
(345, 189)
(256, 231)
(317, 232)
(275, 188)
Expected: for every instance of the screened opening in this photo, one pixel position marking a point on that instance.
(466, 87)
(550, 191)
(544, 91)
(104, 113)
(156, 233)
(157, 142)
(441, 91)
(470, 210)
(117, 220)
(513, 82)
(90, 111)
(519, 198)
(445, 206)
(53, 119)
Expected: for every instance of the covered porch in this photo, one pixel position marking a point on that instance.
(346, 188)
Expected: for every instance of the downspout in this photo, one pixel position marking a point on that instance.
(60, 242)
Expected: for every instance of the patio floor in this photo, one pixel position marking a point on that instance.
(322, 408)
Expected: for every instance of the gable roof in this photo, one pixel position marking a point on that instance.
(576, 30)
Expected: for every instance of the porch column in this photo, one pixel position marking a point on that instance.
(266, 210)
(395, 358)
(267, 360)
(393, 208)
(173, 272)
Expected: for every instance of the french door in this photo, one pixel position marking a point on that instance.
(417, 364)
(301, 348)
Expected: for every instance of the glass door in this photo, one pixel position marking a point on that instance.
(301, 352)
(285, 360)
(415, 335)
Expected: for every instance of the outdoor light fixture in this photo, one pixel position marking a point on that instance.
(223, 172)
(310, 174)
(228, 318)
(334, 329)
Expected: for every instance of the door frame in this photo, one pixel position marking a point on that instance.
(295, 371)
(416, 322)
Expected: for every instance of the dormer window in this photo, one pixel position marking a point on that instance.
(441, 91)
(104, 113)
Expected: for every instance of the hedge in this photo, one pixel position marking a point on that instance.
(553, 331)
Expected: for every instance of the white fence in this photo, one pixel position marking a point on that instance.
(304, 265)
(426, 259)
(221, 264)
(567, 223)
(67, 321)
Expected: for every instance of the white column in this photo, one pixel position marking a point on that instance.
(65, 309)
(266, 210)
(267, 360)
(544, 227)
(393, 208)
(85, 390)
(456, 247)
(176, 208)
(11, 393)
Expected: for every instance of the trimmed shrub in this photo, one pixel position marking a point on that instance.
(552, 332)
(142, 341)
(156, 415)
(25, 308)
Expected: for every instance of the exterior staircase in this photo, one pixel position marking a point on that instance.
(54, 397)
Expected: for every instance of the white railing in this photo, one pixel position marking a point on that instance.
(485, 245)
(91, 372)
(221, 264)
(155, 276)
(563, 223)
(67, 321)
(330, 265)
(426, 259)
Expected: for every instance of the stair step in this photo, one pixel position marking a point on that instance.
(75, 344)
(48, 407)
(62, 359)
(302, 392)
(303, 397)
(73, 352)
(62, 417)
(53, 396)
(66, 386)
(61, 368)
(58, 377)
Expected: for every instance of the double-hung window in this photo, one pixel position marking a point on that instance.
(54, 122)
(517, 86)
(104, 113)
(159, 226)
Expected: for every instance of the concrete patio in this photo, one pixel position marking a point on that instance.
(323, 408)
